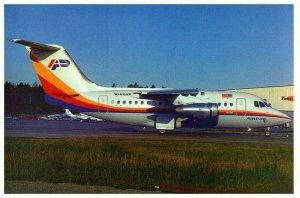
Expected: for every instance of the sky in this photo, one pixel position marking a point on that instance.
(178, 46)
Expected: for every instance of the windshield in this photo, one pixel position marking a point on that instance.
(261, 104)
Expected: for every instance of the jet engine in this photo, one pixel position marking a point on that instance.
(198, 110)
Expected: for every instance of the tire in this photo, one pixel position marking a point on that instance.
(162, 131)
(268, 133)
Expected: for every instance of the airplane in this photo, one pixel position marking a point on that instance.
(81, 116)
(54, 117)
(165, 109)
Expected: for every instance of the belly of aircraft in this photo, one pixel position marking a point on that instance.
(149, 119)
(139, 119)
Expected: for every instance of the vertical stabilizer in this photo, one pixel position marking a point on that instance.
(58, 73)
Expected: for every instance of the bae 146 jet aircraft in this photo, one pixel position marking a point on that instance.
(162, 108)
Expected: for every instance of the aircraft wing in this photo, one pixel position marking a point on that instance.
(169, 92)
(169, 95)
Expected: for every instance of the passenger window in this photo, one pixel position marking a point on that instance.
(149, 102)
(219, 104)
(231, 104)
(130, 102)
(136, 102)
(261, 104)
(225, 104)
(118, 102)
(153, 102)
(124, 102)
(202, 93)
(112, 102)
(256, 104)
(159, 103)
(142, 102)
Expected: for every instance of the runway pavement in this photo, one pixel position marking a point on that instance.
(76, 129)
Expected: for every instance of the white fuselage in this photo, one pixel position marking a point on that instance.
(237, 110)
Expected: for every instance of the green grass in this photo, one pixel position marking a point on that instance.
(145, 163)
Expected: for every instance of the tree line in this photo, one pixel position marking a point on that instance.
(23, 98)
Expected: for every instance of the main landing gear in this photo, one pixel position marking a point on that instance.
(268, 132)
(162, 131)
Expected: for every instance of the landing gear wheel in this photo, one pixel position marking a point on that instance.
(162, 131)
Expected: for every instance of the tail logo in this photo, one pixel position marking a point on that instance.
(58, 63)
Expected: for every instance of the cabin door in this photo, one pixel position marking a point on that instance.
(102, 103)
(240, 106)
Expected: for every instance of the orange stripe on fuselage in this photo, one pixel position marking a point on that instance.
(249, 113)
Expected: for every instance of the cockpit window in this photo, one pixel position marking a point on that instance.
(261, 104)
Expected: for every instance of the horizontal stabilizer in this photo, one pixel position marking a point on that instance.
(35, 45)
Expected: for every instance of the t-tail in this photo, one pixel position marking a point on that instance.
(59, 75)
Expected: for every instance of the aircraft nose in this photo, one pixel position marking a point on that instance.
(283, 118)
(286, 116)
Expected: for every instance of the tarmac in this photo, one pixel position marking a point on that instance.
(77, 129)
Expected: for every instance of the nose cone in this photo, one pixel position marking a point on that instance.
(281, 118)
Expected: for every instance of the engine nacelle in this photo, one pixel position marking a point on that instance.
(198, 110)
